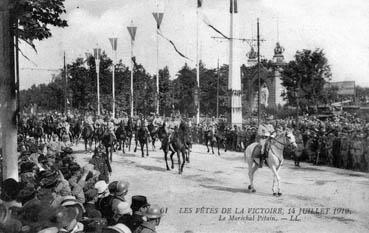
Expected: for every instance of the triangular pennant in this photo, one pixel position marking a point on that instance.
(158, 18)
(233, 6)
(113, 42)
(97, 53)
(132, 32)
(199, 3)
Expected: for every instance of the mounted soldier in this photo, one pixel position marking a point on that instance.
(264, 134)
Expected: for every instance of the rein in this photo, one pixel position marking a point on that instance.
(281, 143)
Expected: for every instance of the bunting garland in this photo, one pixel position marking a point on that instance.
(206, 21)
(172, 43)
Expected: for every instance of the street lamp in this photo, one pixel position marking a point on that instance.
(132, 31)
(97, 54)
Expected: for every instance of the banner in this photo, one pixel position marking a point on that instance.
(174, 46)
(97, 53)
(199, 3)
(233, 6)
(158, 18)
(113, 42)
(207, 22)
(132, 31)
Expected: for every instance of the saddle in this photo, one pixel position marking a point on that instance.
(259, 157)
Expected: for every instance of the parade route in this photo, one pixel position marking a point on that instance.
(211, 195)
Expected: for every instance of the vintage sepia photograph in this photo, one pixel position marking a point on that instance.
(184, 116)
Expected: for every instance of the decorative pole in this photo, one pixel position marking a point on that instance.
(234, 78)
(197, 89)
(132, 31)
(97, 54)
(218, 90)
(65, 86)
(158, 18)
(258, 44)
(114, 42)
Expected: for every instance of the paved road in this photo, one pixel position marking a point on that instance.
(211, 195)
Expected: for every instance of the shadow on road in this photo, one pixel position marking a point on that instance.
(151, 168)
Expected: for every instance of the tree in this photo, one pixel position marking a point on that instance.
(305, 76)
(165, 97)
(184, 89)
(28, 20)
(33, 18)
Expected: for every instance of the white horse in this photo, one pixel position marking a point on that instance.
(275, 158)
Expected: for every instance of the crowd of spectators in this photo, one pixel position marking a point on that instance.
(55, 194)
(340, 141)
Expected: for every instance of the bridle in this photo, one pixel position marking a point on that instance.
(281, 143)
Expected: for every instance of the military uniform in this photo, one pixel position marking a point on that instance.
(345, 146)
(145, 227)
(356, 151)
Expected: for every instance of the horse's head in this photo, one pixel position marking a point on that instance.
(291, 138)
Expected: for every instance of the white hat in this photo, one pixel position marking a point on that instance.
(101, 186)
(121, 208)
(120, 228)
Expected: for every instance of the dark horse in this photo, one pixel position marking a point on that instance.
(121, 135)
(108, 140)
(142, 137)
(215, 136)
(179, 143)
(129, 133)
(98, 134)
(76, 130)
(38, 133)
(88, 135)
(153, 133)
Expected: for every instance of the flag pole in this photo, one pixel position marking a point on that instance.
(132, 31)
(218, 90)
(197, 93)
(132, 77)
(258, 44)
(157, 73)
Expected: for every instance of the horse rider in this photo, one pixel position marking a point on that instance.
(171, 126)
(64, 124)
(157, 122)
(99, 122)
(264, 135)
(89, 121)
(213, 122)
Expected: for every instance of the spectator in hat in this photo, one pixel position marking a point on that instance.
(102, 191)
(9, 193)
(122, 214)
(8, 223)
(118, 228)
(28, 174)
(66, 220)
(72, 202)
(101, 164)
(118, 190)
(62, 188)
(139, 206)
(153, 216)
(77, 181)
(91, 198)
(26, 194)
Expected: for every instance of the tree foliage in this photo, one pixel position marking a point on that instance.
(35, 17)
(305, 76)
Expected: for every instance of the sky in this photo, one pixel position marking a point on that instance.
(340, 27)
